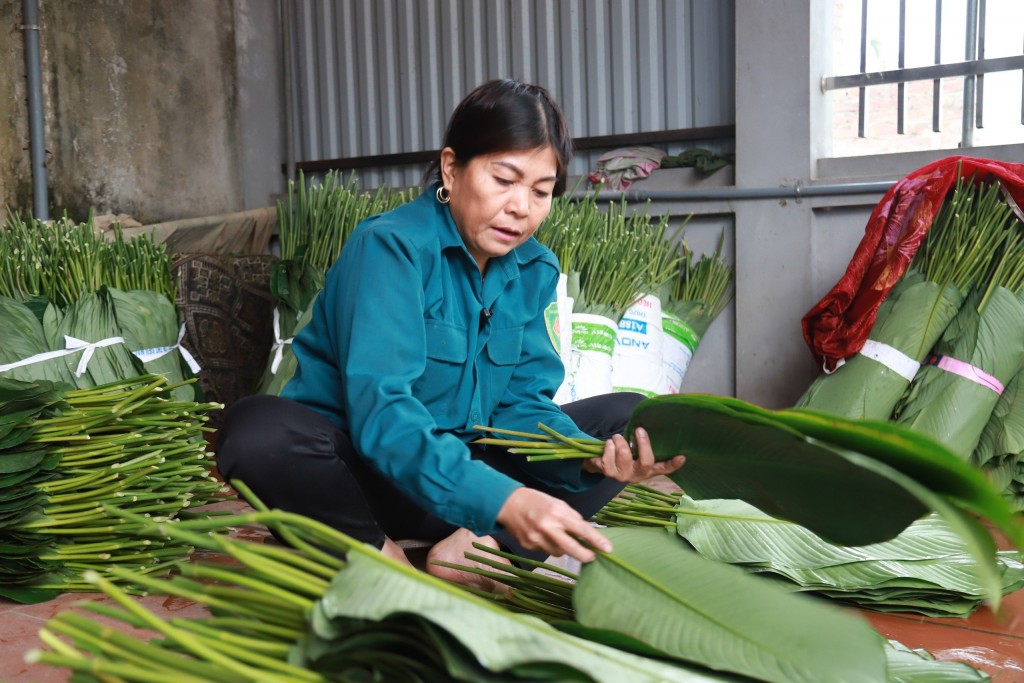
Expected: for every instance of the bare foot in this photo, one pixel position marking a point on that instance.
(452, 550)
(394, 551)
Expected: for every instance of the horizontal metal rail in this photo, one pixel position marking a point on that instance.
(725, 132)
(797, 191)
(924, 73)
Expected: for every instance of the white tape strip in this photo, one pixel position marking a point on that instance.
(38, 358)
(894, 359)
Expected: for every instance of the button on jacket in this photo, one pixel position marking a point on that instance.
(410, 346)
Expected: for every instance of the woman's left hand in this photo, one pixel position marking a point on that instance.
(617, 461)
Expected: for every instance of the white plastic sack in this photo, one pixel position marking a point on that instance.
(679, 341)
(562, 329)
(636, 361)
(590, 367)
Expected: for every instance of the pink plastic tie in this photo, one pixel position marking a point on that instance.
(968, 371)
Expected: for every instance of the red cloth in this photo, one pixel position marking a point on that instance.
(838, 325)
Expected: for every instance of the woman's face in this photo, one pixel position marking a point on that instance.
(498, 200)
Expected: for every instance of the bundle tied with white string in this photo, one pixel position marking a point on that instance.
(314, 223)
(89, 310)
(103, 337)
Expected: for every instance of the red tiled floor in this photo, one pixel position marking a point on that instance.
(992, 643)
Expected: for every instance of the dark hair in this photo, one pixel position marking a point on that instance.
(505, 115)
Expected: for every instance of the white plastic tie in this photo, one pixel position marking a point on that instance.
(894, 359)
(72, 344)
(147, 355)
(279, 343)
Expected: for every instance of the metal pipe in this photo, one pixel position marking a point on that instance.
(979, 98)
(970, 54)
(33, 72)
(937, 83)
(748, 193)
(285, 10)
(862, 93)
(901, 87)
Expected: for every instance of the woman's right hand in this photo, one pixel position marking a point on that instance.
(542, 522)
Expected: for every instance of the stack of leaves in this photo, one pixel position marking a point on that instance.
(925, 569)
(966, 236)
(536, 593)
(702, 292)
(66, 454)
(91, 319)
(953, 395)
(1000, 450)
(314, 222)
(305, 615)
(817, 470)
(101, 337)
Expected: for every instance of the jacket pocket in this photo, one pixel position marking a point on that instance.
(503, 351)
(445, 371)
(446, 342)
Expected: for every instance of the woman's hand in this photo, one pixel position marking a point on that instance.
(542, 522)
(617, 461)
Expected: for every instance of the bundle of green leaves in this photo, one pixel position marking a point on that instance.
(986, 341)
(968, 234)
(616, 260)
(314, 222)
(702, 291)
(101, 337)
(85, 290)
(698, 296)
(612, 256)
(67, 453)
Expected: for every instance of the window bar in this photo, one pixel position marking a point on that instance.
(862, 103)
(901, 87)
(979, 99)
(937, 83)
(1022, 95)
(970, 54)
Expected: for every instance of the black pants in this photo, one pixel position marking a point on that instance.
(295, 459)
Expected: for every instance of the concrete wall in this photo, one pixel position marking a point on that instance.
(154, 108)
(15, 170)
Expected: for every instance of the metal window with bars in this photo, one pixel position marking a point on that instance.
(972, 69)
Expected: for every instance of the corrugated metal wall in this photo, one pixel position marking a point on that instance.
(381, 76)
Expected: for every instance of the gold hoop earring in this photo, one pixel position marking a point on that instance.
(443, 195)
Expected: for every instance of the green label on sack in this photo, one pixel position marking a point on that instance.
(553, 325)
(681, 332)
(593, 337)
